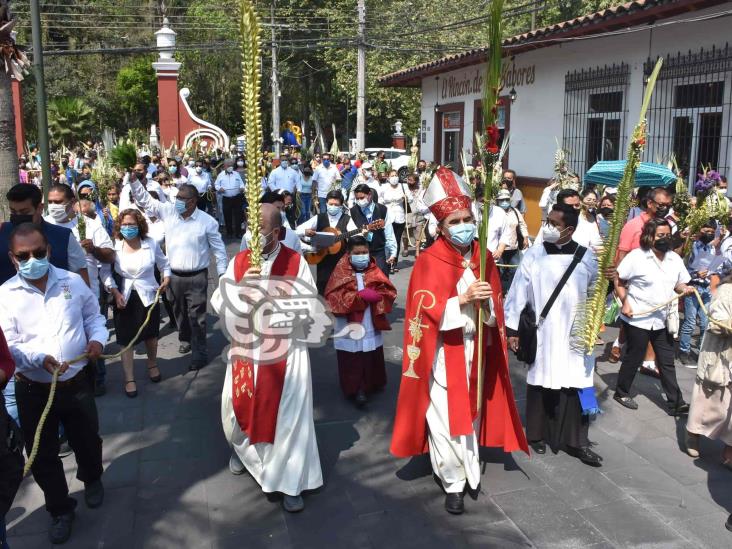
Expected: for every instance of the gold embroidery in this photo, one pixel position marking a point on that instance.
(415, 330)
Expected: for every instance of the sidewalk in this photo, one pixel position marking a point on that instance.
(168, 483)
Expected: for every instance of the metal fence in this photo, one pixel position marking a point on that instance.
(691, 111)
(595, 108)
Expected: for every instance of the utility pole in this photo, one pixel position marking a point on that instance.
(40, 98)
(361, 97)
(275, 88)
(533, 14)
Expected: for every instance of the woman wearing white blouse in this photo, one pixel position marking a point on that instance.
(395, 197)
(648, 277)
(137, 257)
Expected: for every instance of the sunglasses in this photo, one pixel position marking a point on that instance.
(40, 253)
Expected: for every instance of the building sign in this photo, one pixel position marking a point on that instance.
(471, 83)
(451, 121)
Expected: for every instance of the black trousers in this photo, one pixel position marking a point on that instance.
(398, 232)
(188, 296)
(636, 343)
(555, 416)
(75, 409)
(11, 460)
(380, 258)
(232, 214)
(203, 203)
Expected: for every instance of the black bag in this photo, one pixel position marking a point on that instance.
(528, 324)
(519, 236)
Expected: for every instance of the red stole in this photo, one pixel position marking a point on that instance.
(256, 406)
(434, 279)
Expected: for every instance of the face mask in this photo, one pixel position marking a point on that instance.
(191, 163)
(606, 212)
(19, 219)
(550, 234)
(32, 268)
(141, 176)
(393, 181)
(58, 212)
(229, 169)
(662, 244)
(128, 233)
(420, 170)
(706, 238)
(463, 234)
(591, 210)
(333, 211)
(504, 204)
(661, 213)
(267, 239)
(180, 206)
(360, 261)
(326, 163)
(363, 203)
(284, 165)
(199, 170)
(295, 167)
(173, 169)
(240, 163)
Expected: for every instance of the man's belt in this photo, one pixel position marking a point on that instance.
(66, 384)
(189, 273)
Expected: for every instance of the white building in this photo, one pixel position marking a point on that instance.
(581, 82)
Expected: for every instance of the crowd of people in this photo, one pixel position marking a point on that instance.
(150, 238)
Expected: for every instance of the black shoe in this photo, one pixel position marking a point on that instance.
(64, 448)
(100, 389)
(361, 399)
(157, 378)
(94, 494)
(685, 359)
(680, 410)
(585, 455)
(454, 504)
(60, 530)
(184, 348)
(538, 446)
(625, 401)
(131, 394)
(728, 524)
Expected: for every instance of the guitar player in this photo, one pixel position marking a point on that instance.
(382, 243)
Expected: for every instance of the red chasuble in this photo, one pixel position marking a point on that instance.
(434, 279)
(256, 406)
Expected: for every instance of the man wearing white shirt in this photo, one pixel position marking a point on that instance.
(382, 244)
(283, 177)
(49, 316)
(202, 181)
(191, 235)
(139, 173)
(324, 180)
(230, 185)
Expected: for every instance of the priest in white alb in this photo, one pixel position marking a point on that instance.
(560, 396)
(267, 398)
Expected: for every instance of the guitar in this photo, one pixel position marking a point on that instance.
(313, 258)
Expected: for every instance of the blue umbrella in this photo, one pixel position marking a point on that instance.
(610, 172)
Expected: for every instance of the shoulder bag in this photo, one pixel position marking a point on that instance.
(528, 324)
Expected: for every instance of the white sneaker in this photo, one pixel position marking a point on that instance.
(235, 465)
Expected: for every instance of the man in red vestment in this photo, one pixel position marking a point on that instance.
(440, 409)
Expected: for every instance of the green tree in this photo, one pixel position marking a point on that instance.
(69, 120)
(136, 90)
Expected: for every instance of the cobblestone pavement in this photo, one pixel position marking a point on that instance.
(168, 483)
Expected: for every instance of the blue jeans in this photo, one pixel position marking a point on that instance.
(323, 203)
(691, 311)
(10, 405)
(307, 202)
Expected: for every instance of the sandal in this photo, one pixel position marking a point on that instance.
(131, 394)
(157, 378)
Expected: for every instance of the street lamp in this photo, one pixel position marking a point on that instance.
(512, 94)
(437, 92)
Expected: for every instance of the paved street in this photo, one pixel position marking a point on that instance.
(168, 483)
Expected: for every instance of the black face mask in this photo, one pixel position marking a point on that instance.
(662, 244)
(706, 238)
(661, 213)
(591, 211)
(141, 176)
(606, 212)
(19, 219)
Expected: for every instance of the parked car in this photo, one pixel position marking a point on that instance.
(398, 159)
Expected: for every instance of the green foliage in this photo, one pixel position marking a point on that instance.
(69, 120)
(123, 156)
(137, 92)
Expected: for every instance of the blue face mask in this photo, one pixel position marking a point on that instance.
(173, 170)
(463, 234)
(180, 206)
(128, 233)
(504, 205)
(360, 261)
(32, 268)
(334, 210)
(326, 163)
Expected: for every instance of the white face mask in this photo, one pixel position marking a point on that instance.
(58, 212)
(394, 180)
(550, 233)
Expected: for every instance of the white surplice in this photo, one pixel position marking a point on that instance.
(557, 365)
(291, 463)
(372, 338)
(454, 459)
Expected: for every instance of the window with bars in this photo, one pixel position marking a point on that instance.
(595, 106)
(690, 115)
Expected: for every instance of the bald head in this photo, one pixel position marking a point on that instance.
(271, 218)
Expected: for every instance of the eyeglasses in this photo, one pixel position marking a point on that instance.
(661, 205)
(39, 253)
